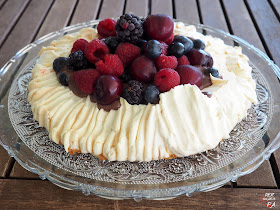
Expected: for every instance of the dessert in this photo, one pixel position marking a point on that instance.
(138, 92)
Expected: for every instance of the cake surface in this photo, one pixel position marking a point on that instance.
(184, 122)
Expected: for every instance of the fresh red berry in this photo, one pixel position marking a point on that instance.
(170, 39)
(86, 79)
(111, 65)
(164, 47)
(190, 75)
(183, 60)
(143, 69)
(164, 61)
(106, 27)
(79, 44)
(96, 50)
(127, 52)
(166, 79)
(200, 57)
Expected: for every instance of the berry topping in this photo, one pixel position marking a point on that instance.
(188, 44)
(151, 94)
(177, 49)
(96, 50)
(129, 28)
(143, 69)
(63, 78)
(133, 93)
(125, 77)
(59, 63)
(166, 79)
(200, 57)
(111, 65)
(170, 39)
(111, 42)
(164, 61)
(86, 79)
(198, 44)
(107, 27)
(164, 47)
(77, 61)
(190, 75)
(159, 27)
(108, 89)
(213, 71)
(183, 60)
(127, 52)
(153, 49)
(141, 44)
(79, 44)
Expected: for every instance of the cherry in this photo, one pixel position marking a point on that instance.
(200, 57)
(159, 27)
(143, 69)
(190, 75)
(108, 89)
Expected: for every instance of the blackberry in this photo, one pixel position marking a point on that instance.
(77, 61)
(129, 28)
(112, 43)
(133, 93)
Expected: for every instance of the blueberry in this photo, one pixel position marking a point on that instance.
(63, 79)
(153, 49)
(198, 44)
(59, 63)
(188, 44)
(141, 44)
(213, 71)
(177, 49)
(152, 94)
(111, 42)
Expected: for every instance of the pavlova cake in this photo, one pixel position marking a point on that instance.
(140, 89)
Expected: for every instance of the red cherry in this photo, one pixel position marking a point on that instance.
(143, 69)
(158, 27)
(108, 89)
(190, 75)
(200, 57)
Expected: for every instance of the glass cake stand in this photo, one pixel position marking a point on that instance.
(252, 141)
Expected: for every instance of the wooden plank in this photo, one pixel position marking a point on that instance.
(58, 16)
(262, 177)
(37, 194)
(269, 26)
(137, 7)
(162, 7)
(19, 172)
(187, 10)
(86, 10)
(2, 3)
(4, 161)
(9, 14)
(276, 5)
(111, 8)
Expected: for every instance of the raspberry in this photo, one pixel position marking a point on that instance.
(183, 60)
(127, 52)
(86, 79)
(111, 65)
(106, 27)
(164, 61)
(170, 39)
(164, 48)
(96, 50)
(79, 44)
(166, 79)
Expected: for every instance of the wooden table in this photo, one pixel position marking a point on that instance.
(23, 21)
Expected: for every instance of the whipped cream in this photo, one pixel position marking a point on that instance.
(185, 121)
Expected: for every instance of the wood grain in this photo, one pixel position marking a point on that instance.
(187, 10)
(137, 7)
(86, 10)
(162, 7)
(45, 194)
(269, 26)
(2, 3)
(19, 172)
(111, 8)
(9, 14)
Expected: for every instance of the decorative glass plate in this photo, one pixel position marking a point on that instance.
(250, 143)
